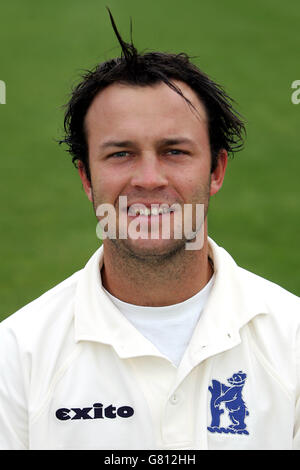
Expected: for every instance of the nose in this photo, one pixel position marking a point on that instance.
(149, 173)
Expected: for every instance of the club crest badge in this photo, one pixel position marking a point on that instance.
(227, 405)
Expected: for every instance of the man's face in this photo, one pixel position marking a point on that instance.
(148, 144)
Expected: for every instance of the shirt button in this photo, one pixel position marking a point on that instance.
(174, 399)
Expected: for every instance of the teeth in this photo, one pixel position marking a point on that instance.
(147, 211)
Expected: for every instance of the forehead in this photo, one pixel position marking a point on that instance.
(145, 110)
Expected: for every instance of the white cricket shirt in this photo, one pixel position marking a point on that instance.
(76, 374)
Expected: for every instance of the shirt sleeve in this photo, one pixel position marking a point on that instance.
(13, 401)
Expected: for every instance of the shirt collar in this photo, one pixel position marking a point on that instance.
(97, 319)
(232, 303)
(235, 292)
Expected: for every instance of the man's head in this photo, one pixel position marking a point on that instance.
(225, 126)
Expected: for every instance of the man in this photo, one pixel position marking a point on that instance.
(157, 343)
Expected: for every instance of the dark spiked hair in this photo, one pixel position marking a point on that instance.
(226, 127)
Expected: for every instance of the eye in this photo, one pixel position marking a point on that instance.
(121, 154)
(176, 152)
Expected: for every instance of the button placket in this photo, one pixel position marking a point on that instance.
(177, 425)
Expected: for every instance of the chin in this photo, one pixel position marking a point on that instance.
(151, 249)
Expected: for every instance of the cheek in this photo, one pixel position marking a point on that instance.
(106, 186)
(197, 187)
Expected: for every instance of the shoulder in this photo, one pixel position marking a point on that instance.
(278, 319)
(250, 287)
(250, 296)
(273, 295)
(35, 342)
(51, 310)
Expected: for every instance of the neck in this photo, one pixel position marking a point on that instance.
(155, 281)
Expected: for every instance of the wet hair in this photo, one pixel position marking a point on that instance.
(225, 125)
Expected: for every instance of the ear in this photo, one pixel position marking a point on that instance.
(217, 176)
(86, 183)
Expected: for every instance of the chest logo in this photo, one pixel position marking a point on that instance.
(228, 409)
(97, 411)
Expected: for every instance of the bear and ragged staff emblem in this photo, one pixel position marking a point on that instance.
(231, 397)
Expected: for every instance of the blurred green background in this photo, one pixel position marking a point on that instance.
(48, 229)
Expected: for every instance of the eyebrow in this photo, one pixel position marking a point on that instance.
(176, 141)
(117, 143)
(161, 142)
